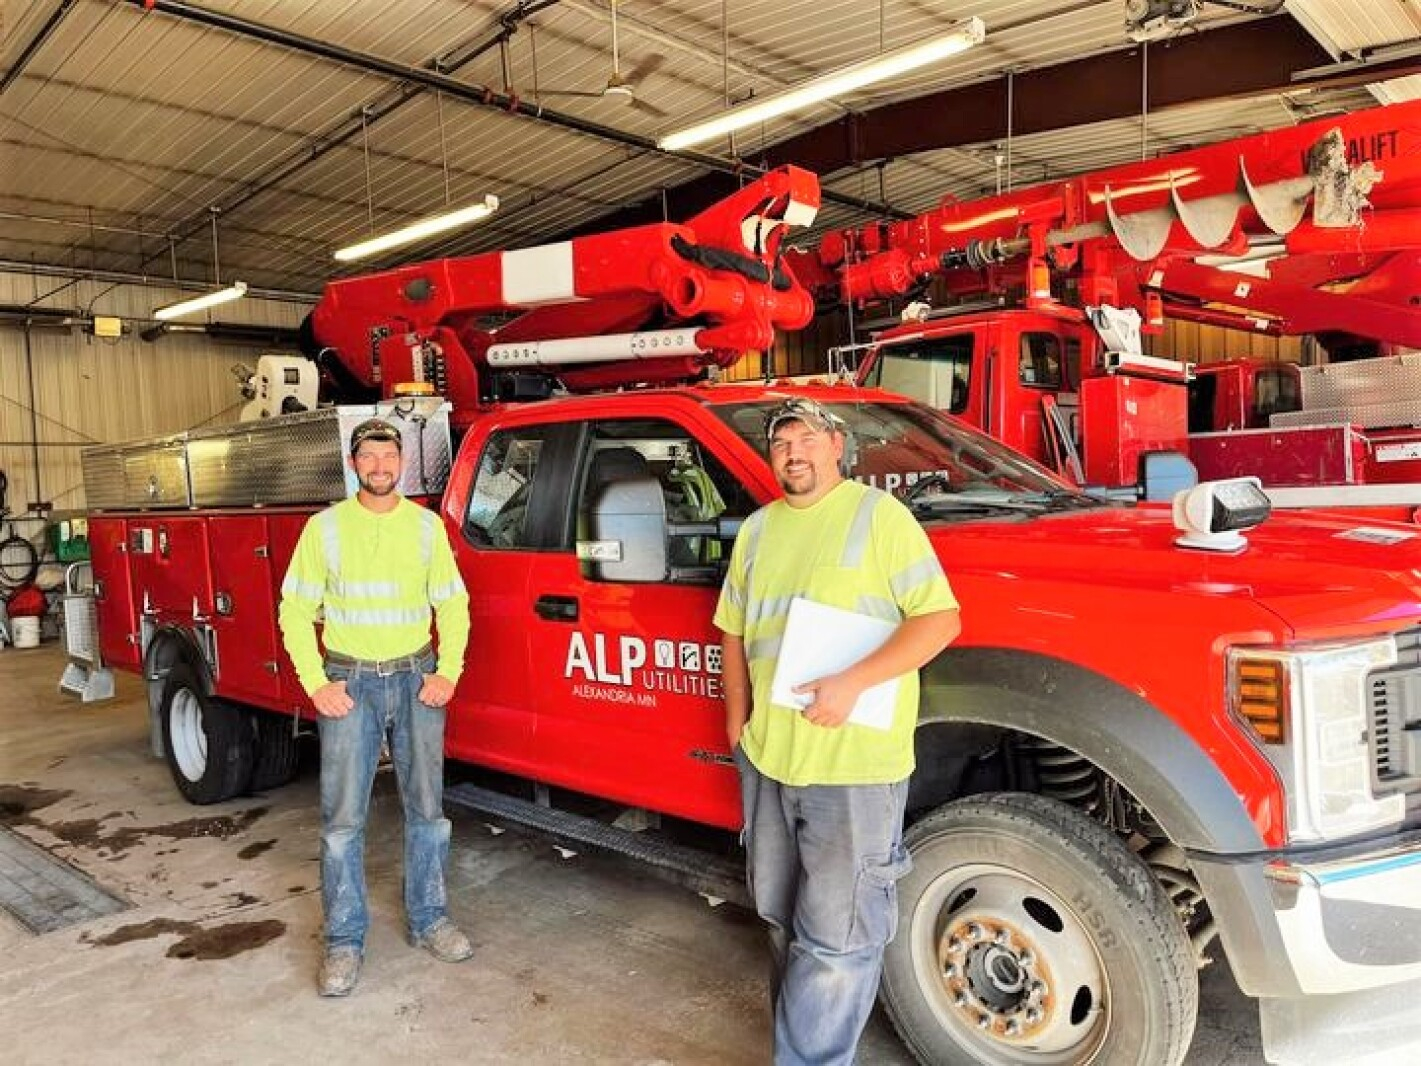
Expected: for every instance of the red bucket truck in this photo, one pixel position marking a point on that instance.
(1162, 733)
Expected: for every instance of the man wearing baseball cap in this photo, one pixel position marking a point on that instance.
(381, 568)
(824, 797)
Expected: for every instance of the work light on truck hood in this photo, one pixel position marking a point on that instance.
(1211, 516)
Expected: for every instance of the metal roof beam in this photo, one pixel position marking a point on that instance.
(35, 44)
(1242, 59)
(434, 81)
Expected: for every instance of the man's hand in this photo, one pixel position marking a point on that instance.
(436, 691)
(834, 699)
(332, 701)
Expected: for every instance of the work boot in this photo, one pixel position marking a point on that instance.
(340, 969)
(445, 941)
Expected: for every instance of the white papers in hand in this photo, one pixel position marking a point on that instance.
(820, 640)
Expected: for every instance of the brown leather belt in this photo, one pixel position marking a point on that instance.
(381, 667)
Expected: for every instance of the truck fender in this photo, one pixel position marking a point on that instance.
(1147, 753)
(168, 645)
(1123, 734)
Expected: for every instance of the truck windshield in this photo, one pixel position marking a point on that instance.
(919, 454)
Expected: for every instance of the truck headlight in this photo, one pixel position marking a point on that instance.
(1308, 710)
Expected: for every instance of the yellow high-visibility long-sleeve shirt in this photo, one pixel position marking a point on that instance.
(379, 578)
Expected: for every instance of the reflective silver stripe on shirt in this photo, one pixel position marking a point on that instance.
(301, 589)
(426, 536)
(330, 534)
(859, 529)
(735, 595)
(923, 572)
(446, 591)
(878, 607)
(751, 532)
(763, 648)
(394, 616)
(368, 590)
(758, 611)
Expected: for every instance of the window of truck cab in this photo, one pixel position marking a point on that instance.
(695, 486)
(519, 496)
(1048, 361)
(934, 370)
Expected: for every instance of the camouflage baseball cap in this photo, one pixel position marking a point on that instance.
(802, 409)
(374, 429)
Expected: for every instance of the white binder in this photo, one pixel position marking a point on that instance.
(820, 640)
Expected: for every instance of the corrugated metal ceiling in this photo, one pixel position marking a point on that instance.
(122, 128)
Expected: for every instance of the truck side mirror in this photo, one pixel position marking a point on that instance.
(1163, 474)
(624, 533)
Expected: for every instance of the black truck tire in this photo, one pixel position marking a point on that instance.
(208, 741)
(277, 751)
(1029, 935)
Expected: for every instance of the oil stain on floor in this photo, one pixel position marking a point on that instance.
(197, 942)
(18, 804)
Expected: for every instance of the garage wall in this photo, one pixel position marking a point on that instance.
(1209, 344)
(91, 390)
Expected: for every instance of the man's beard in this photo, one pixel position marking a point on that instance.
(379, 490)
(808, 482)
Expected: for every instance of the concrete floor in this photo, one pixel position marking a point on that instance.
(579, 960)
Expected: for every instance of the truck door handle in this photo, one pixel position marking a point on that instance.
(556, 608)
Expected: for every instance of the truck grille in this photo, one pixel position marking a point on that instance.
(1396, 717)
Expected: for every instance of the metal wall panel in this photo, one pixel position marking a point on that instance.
(90, 391)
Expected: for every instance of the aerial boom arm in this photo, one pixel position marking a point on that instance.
(650, 303)
(1350, 184)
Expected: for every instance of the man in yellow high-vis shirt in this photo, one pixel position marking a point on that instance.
(824, 797)
(376, 564)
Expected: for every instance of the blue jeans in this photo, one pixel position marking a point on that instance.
(350, 752)
(822, 865)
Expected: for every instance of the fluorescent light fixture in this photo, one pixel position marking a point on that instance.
(418, 231)
(962, 36)
(235, 291)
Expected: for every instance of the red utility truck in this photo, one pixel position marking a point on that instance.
(1137, 748)
(1311, 230)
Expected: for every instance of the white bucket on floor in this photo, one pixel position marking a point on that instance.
(25, 631)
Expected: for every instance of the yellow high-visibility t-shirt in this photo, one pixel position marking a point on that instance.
(858, 549)
(376, 575)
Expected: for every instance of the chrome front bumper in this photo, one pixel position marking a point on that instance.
(1350, 921)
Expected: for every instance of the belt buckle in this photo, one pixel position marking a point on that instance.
(386, 667)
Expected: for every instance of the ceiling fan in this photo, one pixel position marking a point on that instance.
(621, 85)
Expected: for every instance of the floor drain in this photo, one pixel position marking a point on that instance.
(45, 893)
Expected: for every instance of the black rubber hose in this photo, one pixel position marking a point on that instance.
(19, 562)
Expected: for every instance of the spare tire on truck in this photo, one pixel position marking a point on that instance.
(1030, 935)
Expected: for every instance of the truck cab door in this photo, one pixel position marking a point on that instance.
(505, 506)
(627, 674)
